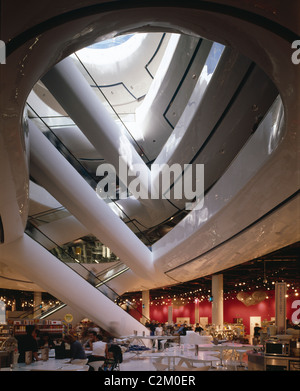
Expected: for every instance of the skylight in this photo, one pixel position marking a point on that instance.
(111, 50)
(111, 42)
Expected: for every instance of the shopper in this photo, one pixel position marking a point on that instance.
(77, 351)
(98, 347)
(198, 328)
(182, 329)
(158, 332)
(46, 341)
(152, 328)
(257, 330)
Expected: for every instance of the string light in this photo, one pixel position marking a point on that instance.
(201, 294)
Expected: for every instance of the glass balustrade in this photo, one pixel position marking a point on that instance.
(86, 270)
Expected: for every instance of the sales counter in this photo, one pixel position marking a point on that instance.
(5, 358)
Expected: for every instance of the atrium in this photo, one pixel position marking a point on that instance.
(205, 95)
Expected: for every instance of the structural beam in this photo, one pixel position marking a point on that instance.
(50, 169)
(39, 265)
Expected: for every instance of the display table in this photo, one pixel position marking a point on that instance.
(226, 347)
(176, 359)
(207, 354)
(50, 365)
(139, 339)
(194, 338)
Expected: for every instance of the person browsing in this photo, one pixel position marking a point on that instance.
(77, 351)
(98, 347)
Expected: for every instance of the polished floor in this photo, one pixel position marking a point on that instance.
(137, 362)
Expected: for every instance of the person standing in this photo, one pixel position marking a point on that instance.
(28, 343)
(158, 332)
(152, 328)
(198, 328)
(257, 330)
(46, 342)
(98, 347)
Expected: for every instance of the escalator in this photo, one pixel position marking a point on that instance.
(41, 311)
(99, 280)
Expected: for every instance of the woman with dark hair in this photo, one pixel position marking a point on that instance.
(99, 348)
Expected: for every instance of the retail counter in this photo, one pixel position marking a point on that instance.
(258, 361)
(6, 358)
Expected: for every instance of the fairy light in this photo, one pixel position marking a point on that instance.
(202, 294)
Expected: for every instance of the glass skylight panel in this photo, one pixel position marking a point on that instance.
(113, 42)
(111, 50)
(214, 57)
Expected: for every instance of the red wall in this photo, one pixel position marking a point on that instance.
(233, 308)
(159, 312)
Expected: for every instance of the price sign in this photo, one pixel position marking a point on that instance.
(68, 318)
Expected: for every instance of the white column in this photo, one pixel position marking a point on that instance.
(197, 311)
(170, 314)
(217, 303)
(145, 306)
(40, 266)
(280, 307)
